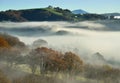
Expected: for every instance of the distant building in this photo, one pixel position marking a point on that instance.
(116, 17)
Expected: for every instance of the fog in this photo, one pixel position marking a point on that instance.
(85, 38)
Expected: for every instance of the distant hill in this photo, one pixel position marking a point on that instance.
(46, 14)
(40, 14)
(111, 14)
(79, 11)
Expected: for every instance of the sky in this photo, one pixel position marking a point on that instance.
(92, 6)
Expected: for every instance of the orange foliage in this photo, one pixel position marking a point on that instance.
(46, 50)
(3, 43)
(73, 62)
(47, 59)
(12, 41)
(54, 61)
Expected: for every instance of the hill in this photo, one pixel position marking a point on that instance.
(38, 14)
(112, 14)
(46, 14)
(79, 11)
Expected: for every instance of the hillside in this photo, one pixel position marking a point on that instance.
(45, 14)
(40, 14)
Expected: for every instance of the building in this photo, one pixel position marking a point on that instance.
(116, 17)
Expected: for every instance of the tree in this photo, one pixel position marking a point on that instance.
(12, 41)
(50, 7)
(73, 62)
(36, 58)
(3, 43)
(47, 60)
(55, 62)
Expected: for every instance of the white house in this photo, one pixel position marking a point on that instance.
(116, 17)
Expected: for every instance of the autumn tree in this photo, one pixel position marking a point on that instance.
(3, 43)
(12, 41)
(3, 46)
(54, 61)
(47, 60)
(73, 62)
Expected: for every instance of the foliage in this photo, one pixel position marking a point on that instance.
(12, 41)
(73, 62)
(54, 61)
(3, 43)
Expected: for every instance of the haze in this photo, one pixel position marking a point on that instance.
(87, 37)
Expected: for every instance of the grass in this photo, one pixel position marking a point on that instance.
(53, 11)
(24, 68)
